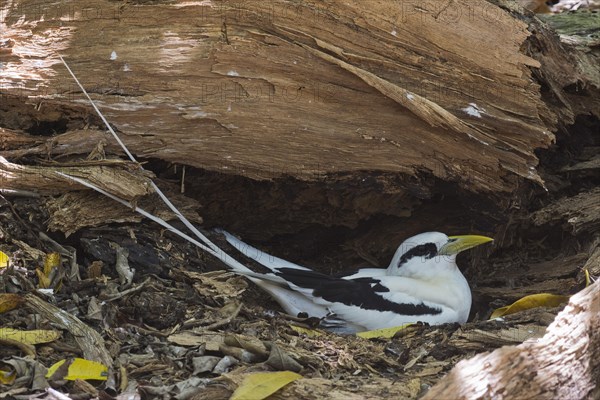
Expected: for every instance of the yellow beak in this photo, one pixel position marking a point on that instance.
(456, 244)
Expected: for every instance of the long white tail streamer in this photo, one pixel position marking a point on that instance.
(220, 254)
(164, 198)
(295, 301)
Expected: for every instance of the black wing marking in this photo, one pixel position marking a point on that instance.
(342, 274)
(427, 250)
(361, 292)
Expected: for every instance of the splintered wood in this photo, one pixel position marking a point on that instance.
(121, 178)
(563, 364)
(305, 89)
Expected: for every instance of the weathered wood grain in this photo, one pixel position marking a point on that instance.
(306, 89)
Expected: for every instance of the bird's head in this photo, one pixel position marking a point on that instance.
(431, 254)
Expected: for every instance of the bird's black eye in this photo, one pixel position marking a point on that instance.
(427, 250)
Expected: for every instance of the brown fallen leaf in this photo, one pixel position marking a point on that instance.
(10, 301)
(280, 360)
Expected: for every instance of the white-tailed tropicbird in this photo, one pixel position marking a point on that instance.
(422, 283)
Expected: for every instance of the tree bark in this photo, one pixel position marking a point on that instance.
(564, 364)
(304, 89)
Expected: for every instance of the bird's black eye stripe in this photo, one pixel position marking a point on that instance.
(427, 250)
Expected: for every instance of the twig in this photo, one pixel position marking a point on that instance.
(90, 341)
(19, 193)
(224, 321)
(148, 331)
(119, 295)
(182, 190)
(28, 349)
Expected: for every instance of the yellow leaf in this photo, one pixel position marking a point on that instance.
(44, 280)
(79, 368)
(7, 377)
(385, 333)
(531, 301)
(4, 260)
(9, 301)
(50, 276)
(306, 331)
(260, 385)
(588, 281)
(29, 337)
(52, 261)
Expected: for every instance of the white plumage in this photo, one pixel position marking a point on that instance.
(422, 283)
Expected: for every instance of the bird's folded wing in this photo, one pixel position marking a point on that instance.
(266, 260)
(385, 315)
(365, 301)
(364, 273)
(366, 292)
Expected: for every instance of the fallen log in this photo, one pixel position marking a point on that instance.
(415, 89)
(564, 364)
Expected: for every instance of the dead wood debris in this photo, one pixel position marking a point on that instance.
(120, 178)
(168, 325)
(569, 349)
(185, 333)
(171, 329)
(150, 308)
(579, 213)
